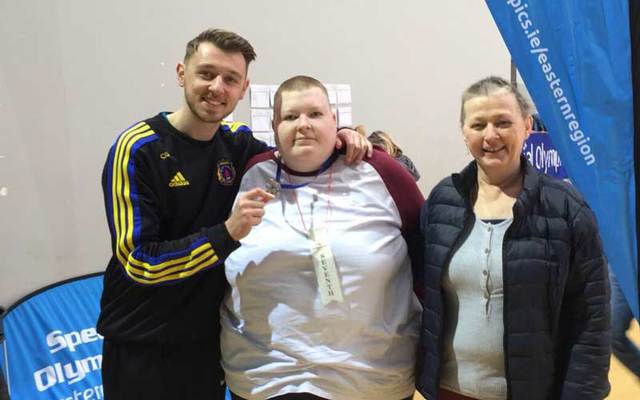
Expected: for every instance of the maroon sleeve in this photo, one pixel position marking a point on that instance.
(408, 198)
(258, 158)
(402, 187)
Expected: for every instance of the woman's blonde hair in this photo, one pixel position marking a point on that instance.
(382, 139)
(488, 86)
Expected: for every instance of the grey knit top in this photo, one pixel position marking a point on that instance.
(473, 356)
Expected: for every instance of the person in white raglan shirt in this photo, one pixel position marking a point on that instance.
(321, 302)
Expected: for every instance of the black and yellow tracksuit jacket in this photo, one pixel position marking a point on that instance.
(166, 198)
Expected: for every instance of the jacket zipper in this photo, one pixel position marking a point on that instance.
(505, 308)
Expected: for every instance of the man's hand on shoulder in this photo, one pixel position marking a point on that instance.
(357, 145)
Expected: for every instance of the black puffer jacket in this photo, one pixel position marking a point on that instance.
(556, 288)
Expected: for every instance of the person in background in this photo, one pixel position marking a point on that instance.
(537, 123)
(169, 183)
(321, 304)
(386, 143)
(382, 139)
(516, 296)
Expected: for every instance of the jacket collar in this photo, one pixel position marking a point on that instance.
(466, 183)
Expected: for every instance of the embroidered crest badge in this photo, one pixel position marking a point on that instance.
(226, 172)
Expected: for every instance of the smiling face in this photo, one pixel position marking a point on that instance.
(214, 81)
(305, 128)
(494, 131)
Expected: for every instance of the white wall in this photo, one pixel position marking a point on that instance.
(74, 73)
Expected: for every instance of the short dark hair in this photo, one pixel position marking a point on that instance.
(299, 82)
(224, 40)
(489, 85)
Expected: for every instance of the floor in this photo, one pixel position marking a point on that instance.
(624, 385)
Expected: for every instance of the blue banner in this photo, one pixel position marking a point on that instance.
(575, 58)
(51, 347)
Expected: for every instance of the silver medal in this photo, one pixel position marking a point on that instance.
(273, 187)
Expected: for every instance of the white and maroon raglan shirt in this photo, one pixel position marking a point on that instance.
(321, 295)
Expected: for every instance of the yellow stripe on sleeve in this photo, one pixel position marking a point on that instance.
(121, 190)
(178, 272)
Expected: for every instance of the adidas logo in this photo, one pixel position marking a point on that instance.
(178, 180)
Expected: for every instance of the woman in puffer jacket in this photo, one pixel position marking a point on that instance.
(516, 303)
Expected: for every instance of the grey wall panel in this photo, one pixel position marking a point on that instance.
(73, 74)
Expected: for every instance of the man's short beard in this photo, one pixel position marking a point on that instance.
(198, 116)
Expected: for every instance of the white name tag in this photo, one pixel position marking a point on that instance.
(326, 271)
